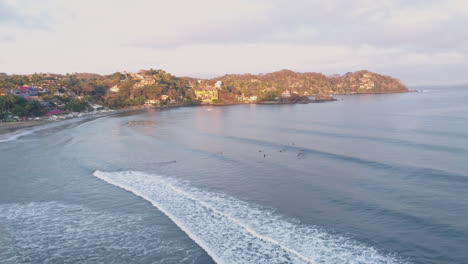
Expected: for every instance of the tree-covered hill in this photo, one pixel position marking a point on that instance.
(124, 89)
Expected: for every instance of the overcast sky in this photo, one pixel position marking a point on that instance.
(417, 41)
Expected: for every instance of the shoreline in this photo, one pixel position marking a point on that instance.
(11, 128)
(20, 128)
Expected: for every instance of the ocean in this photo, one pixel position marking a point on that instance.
(366, 179)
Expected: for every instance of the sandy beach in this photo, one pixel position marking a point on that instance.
(8, 127)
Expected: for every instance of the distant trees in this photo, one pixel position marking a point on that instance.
(12, 105)
(270, 96)
(76, 105)
(8, 82)
(35, 78)
(115, 101)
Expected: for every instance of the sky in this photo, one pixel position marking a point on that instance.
(421, 42)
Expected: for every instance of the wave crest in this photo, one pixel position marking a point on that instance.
(233, 231)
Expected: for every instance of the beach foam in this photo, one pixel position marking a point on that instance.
(233, 231)
(27, 131)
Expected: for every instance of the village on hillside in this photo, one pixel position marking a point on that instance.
(54, 96)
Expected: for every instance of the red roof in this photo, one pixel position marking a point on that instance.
(55, 112)
(23, 88)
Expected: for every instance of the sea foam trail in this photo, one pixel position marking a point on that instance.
(233, 231)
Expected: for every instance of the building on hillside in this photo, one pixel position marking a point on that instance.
(207, 94)
(286, 94)
(247, 100)
(114, 89)
(58, 93)
(218, 84)
(148, 80)
(253, 98)
(25, 92)
(164, 97)
(137, 76)
(45, 103)
(152, 102)
(55, 112)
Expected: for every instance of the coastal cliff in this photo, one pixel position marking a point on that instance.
(249, 87)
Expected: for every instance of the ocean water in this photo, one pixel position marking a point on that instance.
(366, 179)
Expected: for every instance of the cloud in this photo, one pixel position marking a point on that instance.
(211, 37)
(12, 13)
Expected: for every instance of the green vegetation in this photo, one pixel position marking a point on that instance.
(11, 106)
(76, 105)
(270, 96)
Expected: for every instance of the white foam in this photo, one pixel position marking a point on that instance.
(233, 231)
(27, 131)
(51, 232)
(15, 135)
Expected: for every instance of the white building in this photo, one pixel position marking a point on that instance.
(152, 102)
(286, 94)
(114, 89)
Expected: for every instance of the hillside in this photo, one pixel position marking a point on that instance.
(80, 91)
(275, 83)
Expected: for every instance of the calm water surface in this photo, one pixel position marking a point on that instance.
(367, 179)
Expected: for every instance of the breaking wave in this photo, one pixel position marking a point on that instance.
(51, 232)
(233, 231)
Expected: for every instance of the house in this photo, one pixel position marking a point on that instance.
(137, 76)
(152, 102)
(286, 94)
(250, 99)
(20, 91)
(23, 89)
(164, 97)
(33, 91)
(114, 89)
(45, 103)
(218, 84)
(55, 112)
(253, 98)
